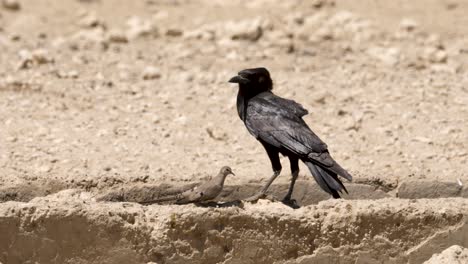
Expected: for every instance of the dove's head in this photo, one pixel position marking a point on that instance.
(226, 170)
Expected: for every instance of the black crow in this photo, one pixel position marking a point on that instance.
(277, 123)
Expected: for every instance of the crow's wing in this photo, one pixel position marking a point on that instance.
(277, 121)
(288, 105)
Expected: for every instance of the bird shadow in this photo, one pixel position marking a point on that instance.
(235, 203)
(291, 203)
(239, 203)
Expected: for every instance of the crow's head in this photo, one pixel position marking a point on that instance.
(255, 79)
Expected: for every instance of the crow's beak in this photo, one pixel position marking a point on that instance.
(233, 173)
(239, 79)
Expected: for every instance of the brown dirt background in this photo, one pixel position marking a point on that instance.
(106, 95)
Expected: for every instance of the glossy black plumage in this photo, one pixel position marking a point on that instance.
(277, 123)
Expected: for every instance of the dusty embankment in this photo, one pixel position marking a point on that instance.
(70, 227)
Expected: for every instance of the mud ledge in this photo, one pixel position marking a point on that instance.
(71, 227)
(305, 192)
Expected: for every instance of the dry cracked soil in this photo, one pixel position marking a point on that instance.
(106, 103)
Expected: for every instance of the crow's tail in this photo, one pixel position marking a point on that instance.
(326, 179)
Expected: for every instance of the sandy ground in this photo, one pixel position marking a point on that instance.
(106, 96)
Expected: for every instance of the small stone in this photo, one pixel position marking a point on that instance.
(42, 35)
(417, 63)
(36, 57)
(66, 75)
(84, 39)
(72, 74)
(25, 54)
(323, 33)
(89, 21)
(322, 3)
(156, 119)
(15, 36)
(13, 5)
(233, 55)
(44, 168)
(186, 77)
(245, 30)
(12, 139)
(200, 34)
(296, 18)
(389, 56)
(435, 55)
(174, 32)
(422, 139)
(181, 120)
(117, 36)
(450, 5)
(408, 24)
(140, 28)
(434, 40)
(41, 56)
(438, 67)
(150, 73)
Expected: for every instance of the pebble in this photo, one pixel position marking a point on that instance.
(11, 5)
(12, 139)
(173, 32)
(89, 21)
(408, 24)
(322, 3)
(35, 57)
(200, 34)
(117, 36)
(41, 56)
(434, 40)
(245, 30)
(138, 27)
(435, 55)
(72, 74)
(150, 73)
(389, 56)
(323, 33)
(422, 139)
(84, 39)
(68, 75)
(44, 168)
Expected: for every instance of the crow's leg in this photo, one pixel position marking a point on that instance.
(273, 154)
(262, 193)
(294, 173)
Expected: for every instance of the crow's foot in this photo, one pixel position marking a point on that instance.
(291, 203)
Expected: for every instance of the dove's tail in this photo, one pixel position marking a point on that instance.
(162, 199)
